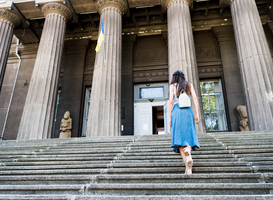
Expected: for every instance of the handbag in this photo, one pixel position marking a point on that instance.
(184, 100)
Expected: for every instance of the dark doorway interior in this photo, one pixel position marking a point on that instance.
(158, 120)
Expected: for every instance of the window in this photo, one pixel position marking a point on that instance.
(155, 91)
(147, 93)
(86, 110)
(213, 105)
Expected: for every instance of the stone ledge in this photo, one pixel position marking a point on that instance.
(138, 197)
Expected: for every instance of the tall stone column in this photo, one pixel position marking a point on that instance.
(181, 49)
(105, 105)
(37, 118)
(255, 62)
(8, 22)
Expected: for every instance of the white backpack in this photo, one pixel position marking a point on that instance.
(184, 100)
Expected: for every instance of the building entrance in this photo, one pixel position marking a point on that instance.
(151, 109)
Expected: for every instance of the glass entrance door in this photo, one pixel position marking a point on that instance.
(213, 105)
(86, 110)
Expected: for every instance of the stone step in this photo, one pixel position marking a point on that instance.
(178, 159)
(171, 153)
(50, 172)
(136, 197)
(154, 170)
(179, 189)
(185, 178)
(252, 151)
(246, 136)
(244, 143)
(109, 150)
(257, 155)
(126, 156)
(162, 160)
(256, 140)
(142, 189)
(42, 189)
(177, 164)
(131, 156)
(94, 143)
(179, 170)
(59, 158)
(250, 147)
(262, 163)
(264, 168)
(123, 165)
(49, 167)
(140, 178)
(165, 151)
(45, 152)
(98, 149)
(168, 146)
(43, 163)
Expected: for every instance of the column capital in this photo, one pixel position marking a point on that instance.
(225, 3)
(57, 8)
(121, 5)
(167, 3)
(10, 17)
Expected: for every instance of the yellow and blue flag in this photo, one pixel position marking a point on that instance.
(101, 38)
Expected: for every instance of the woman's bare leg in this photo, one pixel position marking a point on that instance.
(183, 154)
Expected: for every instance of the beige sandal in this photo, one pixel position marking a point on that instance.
(188, 170)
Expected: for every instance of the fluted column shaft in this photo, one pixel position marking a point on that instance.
(105, 106)
(181, 49)
(8, 21)
(37, 118)
(255, 63)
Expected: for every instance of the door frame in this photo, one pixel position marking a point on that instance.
(149, 105)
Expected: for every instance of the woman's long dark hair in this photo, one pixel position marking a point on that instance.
(182, 84)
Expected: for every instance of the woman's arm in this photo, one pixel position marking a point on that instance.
(195, 101)
(171, 102)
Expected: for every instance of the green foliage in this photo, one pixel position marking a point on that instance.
(209, 105)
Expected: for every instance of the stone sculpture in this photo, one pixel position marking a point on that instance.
(66, 126)
(243, 122)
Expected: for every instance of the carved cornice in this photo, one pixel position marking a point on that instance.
(209, 70)
(121, 5)
(57, 8)
(225, 3)
(167, 3)
(10, 17)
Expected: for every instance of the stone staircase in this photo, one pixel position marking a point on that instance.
(228, 166)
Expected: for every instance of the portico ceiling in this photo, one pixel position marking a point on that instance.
(142, 15)
(30, 11)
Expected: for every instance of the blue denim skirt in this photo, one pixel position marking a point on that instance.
(183, 128)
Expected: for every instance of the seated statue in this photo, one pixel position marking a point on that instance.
(243, 122)
(66, 126)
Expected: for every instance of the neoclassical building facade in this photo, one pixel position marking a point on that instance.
(48, 65)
